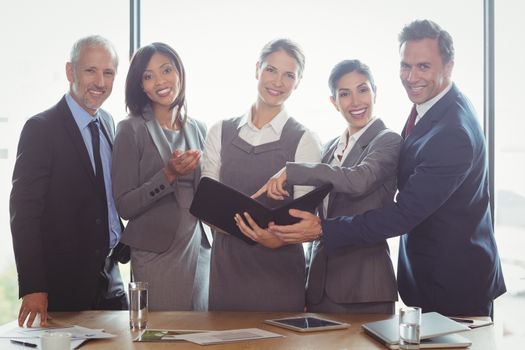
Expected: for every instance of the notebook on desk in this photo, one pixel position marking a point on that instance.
(436, 332)
(216, 204)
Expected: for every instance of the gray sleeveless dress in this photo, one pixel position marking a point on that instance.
(254, 278)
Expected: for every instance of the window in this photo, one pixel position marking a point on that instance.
(219, 43)
(510, 166)
(35, 51)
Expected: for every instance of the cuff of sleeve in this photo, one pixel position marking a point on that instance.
(159, 185)
(291, 173)
(337, 233)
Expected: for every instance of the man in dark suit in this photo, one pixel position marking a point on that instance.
(448, 259)
(63, 219)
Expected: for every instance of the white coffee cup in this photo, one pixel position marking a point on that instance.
(56, 341)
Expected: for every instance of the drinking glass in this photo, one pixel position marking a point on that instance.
(138, 305)
(409, 327)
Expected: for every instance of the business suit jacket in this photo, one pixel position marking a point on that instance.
(366, 180)
(143, 195)
(59, 222)
(448, 260)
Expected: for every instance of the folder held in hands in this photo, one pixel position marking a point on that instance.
(216, 204)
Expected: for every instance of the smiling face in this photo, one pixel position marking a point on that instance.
(278, 76)
(91, 78)
(423, 73)
(160, 81)
(354, 99)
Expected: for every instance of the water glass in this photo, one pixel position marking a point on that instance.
(138, 305)
(409, 327)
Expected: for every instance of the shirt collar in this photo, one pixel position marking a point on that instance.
(277, 123)
(82, 118)
(355, 136)
(345, 144)
(425, 106)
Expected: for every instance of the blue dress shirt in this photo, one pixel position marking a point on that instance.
(83, 118)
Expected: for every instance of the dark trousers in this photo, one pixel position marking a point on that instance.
(111, 294)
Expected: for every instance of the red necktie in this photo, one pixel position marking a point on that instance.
(411, 121)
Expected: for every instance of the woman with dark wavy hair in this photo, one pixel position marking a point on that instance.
(155, 171)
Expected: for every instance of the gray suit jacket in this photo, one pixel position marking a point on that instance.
(366, 180)
(142, 194)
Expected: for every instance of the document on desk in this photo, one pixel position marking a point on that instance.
(12, 331)
(77, 332)
(229, 336)
(164, 335)
(6, 344)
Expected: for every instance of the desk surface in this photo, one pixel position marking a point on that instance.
(116, 322)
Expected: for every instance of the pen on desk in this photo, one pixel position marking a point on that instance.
(29, 345)
(461, 320)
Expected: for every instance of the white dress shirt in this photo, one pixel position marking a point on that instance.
(308, 149)
(425, 106)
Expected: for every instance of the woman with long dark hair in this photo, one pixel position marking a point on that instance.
(155, 172)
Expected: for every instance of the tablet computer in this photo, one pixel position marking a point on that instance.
(307, 324)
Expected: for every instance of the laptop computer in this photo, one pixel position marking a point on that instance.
(436, 332)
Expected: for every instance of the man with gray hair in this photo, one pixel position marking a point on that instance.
(63, 220)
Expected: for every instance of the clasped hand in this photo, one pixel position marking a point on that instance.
(181, 163)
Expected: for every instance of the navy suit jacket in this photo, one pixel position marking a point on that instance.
(448, 259)
(59, 222)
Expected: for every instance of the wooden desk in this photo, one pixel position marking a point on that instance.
(116, 322)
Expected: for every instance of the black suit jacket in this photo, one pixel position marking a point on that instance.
(59, 223)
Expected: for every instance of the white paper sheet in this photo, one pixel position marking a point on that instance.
(79, 335)
(232, 335)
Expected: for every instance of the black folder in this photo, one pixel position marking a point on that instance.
(216, 204)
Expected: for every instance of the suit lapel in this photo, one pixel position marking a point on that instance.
(327, 159)
(357, 152)
(107, 126)
(159, 139)
(194, 140)
(76, 138)
(329, 151)
(433, 116)
(157, 135)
